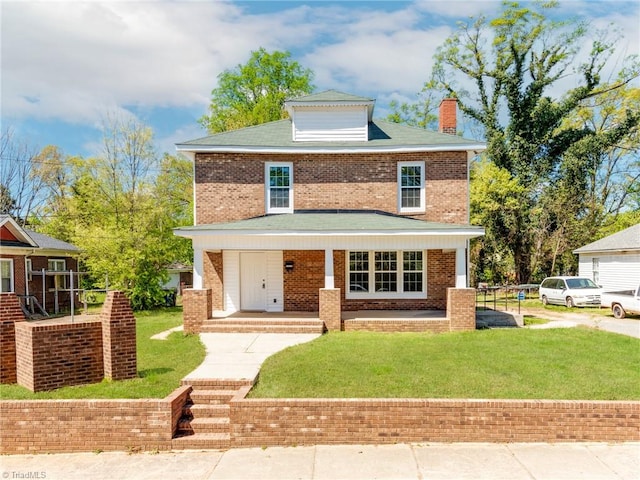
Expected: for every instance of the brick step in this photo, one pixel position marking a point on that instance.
(206, 441)
(263, 321)
(216, 384)
(200, 397)
(184, 426)
(266, 328)
(210, 425)
(207, 410)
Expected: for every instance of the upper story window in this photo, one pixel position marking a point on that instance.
(279, 187)
(411, 196)
(6, 275)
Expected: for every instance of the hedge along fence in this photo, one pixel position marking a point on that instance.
(272, 422)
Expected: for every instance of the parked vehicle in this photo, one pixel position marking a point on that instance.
(570, 291)
(622, 303)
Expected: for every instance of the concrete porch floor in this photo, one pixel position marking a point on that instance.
(346, 315)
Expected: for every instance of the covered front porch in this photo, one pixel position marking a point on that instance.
(346, 267)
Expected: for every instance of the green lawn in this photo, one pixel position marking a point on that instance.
(161, 364)
(575, 363)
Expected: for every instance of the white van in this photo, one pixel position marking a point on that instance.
(570, 291)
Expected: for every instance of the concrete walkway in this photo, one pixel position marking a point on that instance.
(239, 356)
(455, 461)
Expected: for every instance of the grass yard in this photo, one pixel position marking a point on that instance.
(575, 363)
(161, 364)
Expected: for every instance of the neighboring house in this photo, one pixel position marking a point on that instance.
(36, 267)
(180, 276)
(613, 261)
(330, 199)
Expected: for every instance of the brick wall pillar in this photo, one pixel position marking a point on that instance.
(118, 338)
(197, 307)
(461, 308)
(10, 313)
(330, 308)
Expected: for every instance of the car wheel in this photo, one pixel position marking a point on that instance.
(570, 303)
(545, 302)
(618, 311)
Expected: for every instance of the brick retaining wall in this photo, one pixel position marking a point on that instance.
(54, 426)
(271, 422)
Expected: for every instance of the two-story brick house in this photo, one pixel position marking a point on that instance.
(329, 211)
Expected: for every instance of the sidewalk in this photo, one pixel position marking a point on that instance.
(526, 461)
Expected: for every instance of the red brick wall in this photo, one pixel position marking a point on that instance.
(303, 283)
(10, 313)
(383, 325)
(213, 278)
(54, 426)
(196, 308)
(231, 186)
(270, 422)
(51, 356)
(461, 308)
(118, 338)
(18, 273)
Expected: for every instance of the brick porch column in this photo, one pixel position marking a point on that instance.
(10, 313)
(197, 306)
(118, 337)
(461, 308)
(330, 308)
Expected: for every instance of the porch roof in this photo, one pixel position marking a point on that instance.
(332, 222)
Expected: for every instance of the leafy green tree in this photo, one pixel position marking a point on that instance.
(120, 209)
(502, 72)
(255, 92)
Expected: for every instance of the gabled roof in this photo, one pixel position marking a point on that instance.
(333, 222)
(624, 240)
(383, 137)
(26, 238)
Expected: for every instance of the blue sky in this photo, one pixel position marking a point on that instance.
(67, 65)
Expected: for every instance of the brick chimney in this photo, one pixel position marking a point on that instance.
(447, 121)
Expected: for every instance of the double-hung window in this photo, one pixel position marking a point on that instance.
(386, 274)
(279, 187)
(411, 194)
(58, 265)
(6, 275)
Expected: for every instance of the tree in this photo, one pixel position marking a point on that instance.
(502, 72)
(21, 192)
(255, 92)
(120, 209)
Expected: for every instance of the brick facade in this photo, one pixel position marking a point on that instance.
(118, 338)
(10, 314)
(230, 186)
(196, 308)
(286, 422)
(54, 426)
(330, 311)
(303, 283)
(461, 308)
(51, 356)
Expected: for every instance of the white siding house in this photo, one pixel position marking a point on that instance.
(614, 261)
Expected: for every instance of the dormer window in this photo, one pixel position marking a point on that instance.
(279, 187)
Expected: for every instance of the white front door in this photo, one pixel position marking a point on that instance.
(253, 281)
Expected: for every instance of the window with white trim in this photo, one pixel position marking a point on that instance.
(279, 187)
(411, 193)
(28, 265)
(386, 274)
(6, 275)
(58, 265)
